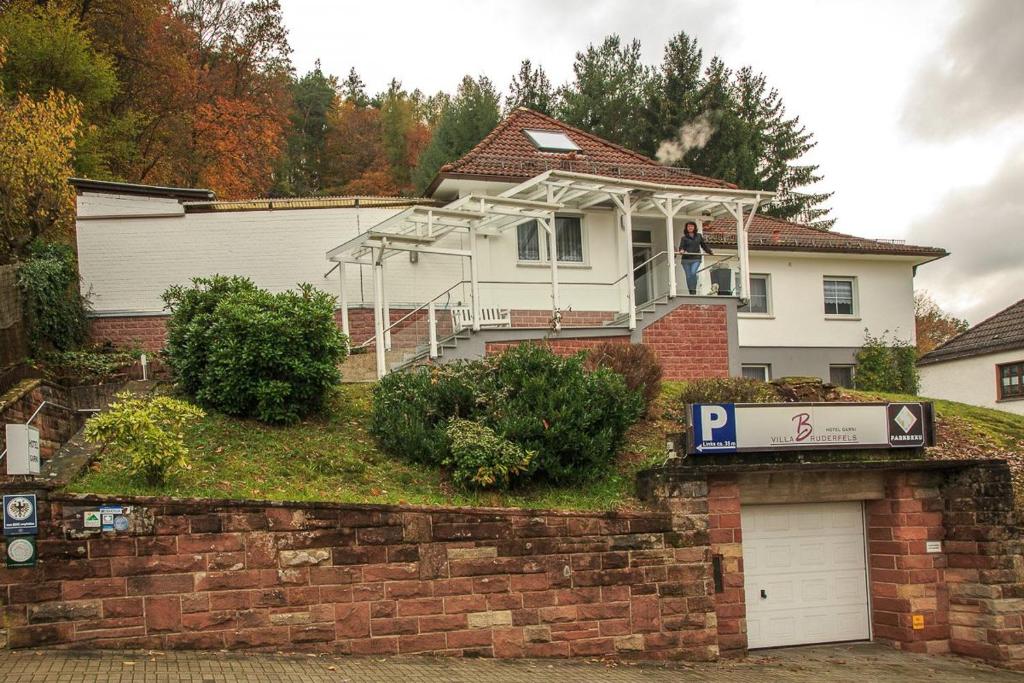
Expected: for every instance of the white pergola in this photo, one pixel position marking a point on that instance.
(419, 229)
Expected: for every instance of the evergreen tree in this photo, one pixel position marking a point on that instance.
(613, 95)
(471, 114)
(354, 90)
(530, 88)
(302, 167)
(733, 126)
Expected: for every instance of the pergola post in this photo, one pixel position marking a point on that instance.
(627, 225)
(378, 311)
(343, 298)
(553, 257)
(474, 279)
(385, 307)
(670, 250)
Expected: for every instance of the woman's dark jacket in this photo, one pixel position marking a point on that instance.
(691, 246)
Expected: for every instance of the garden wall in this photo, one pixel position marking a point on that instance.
(364, 580)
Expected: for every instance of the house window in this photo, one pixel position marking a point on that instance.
(760, 295)
(528, 236)
(533, 247)
(839, 296)
(841, 375)
(1011, 380)
(759, 371)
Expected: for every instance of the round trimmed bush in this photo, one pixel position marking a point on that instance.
(250, 353)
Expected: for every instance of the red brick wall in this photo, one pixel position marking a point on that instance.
(363, 580)
(727, 544)
(146, 332)
(542, 318)
(691, 342)
(55, 425)
(563, 347)
(905, 579)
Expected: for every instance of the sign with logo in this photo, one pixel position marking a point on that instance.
(21, 552)
(91, 519)
(20, 514)
(737, 427)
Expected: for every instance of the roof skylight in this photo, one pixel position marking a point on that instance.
(551, 141)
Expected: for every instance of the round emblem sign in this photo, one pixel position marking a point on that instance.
(19, 550)
(120, 523)
(19, 508)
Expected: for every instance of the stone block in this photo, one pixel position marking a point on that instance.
(64, 611)
(490, 619)
(304, 558)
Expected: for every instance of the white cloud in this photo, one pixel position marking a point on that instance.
(976, 78)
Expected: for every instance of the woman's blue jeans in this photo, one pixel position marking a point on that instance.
(690, 268)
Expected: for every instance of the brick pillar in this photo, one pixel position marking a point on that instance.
(985, 547)
(726, 543)
(906, 580)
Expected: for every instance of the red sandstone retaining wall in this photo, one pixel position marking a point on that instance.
(366, 580)
(691, 342)
(55, 424)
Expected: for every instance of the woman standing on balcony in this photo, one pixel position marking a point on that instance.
(690, 246)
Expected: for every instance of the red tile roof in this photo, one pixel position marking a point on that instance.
(775, 234)
(1002, 332)
(507, 154)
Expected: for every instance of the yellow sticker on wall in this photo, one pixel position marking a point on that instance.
(917, 621)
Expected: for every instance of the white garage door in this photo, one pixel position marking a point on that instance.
(804, 573)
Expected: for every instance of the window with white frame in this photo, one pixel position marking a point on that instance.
(532, 246)
(760, 300)
(759, 371)
(840, 295)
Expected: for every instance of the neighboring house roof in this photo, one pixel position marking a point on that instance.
(507, 154)
(1002, 332)
(769, 233)
(109, 187)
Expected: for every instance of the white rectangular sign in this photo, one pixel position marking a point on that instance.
(732, 427)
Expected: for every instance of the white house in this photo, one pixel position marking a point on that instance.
(983, 366)
(468, 268)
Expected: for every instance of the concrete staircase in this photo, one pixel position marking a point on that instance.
(655, 308)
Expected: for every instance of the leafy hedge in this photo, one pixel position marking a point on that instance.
(573, 419)
(886, 363)
(250, 353)
(53, 307)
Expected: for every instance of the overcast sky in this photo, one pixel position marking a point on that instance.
(917, 105)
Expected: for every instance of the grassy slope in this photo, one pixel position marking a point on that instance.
(333, 458)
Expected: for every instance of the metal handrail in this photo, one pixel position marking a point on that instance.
(635, 268)
(413, 311)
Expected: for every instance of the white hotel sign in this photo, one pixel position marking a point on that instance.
(734, 427)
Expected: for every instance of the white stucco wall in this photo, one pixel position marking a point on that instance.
(884, 295)
(970, 380)
(132, 248)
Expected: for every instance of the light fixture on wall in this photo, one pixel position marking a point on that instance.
(414, 257)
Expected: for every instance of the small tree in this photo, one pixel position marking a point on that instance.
(886, 363)
(934, 326)
(149, 432)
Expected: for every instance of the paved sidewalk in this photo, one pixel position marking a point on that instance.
(838, 664)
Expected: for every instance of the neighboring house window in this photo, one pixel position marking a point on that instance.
(840, 295)
(760, 295)
(568, 240)
(841, 375)
(1011, 380)
(528, 235)
(761, 371)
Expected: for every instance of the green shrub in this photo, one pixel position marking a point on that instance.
(886, 363)
(148, 432)
(72, 368)
(575, 421)
(727, 390)
(479, 458)
(637, 364)
(53, 307)
(250, 353)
